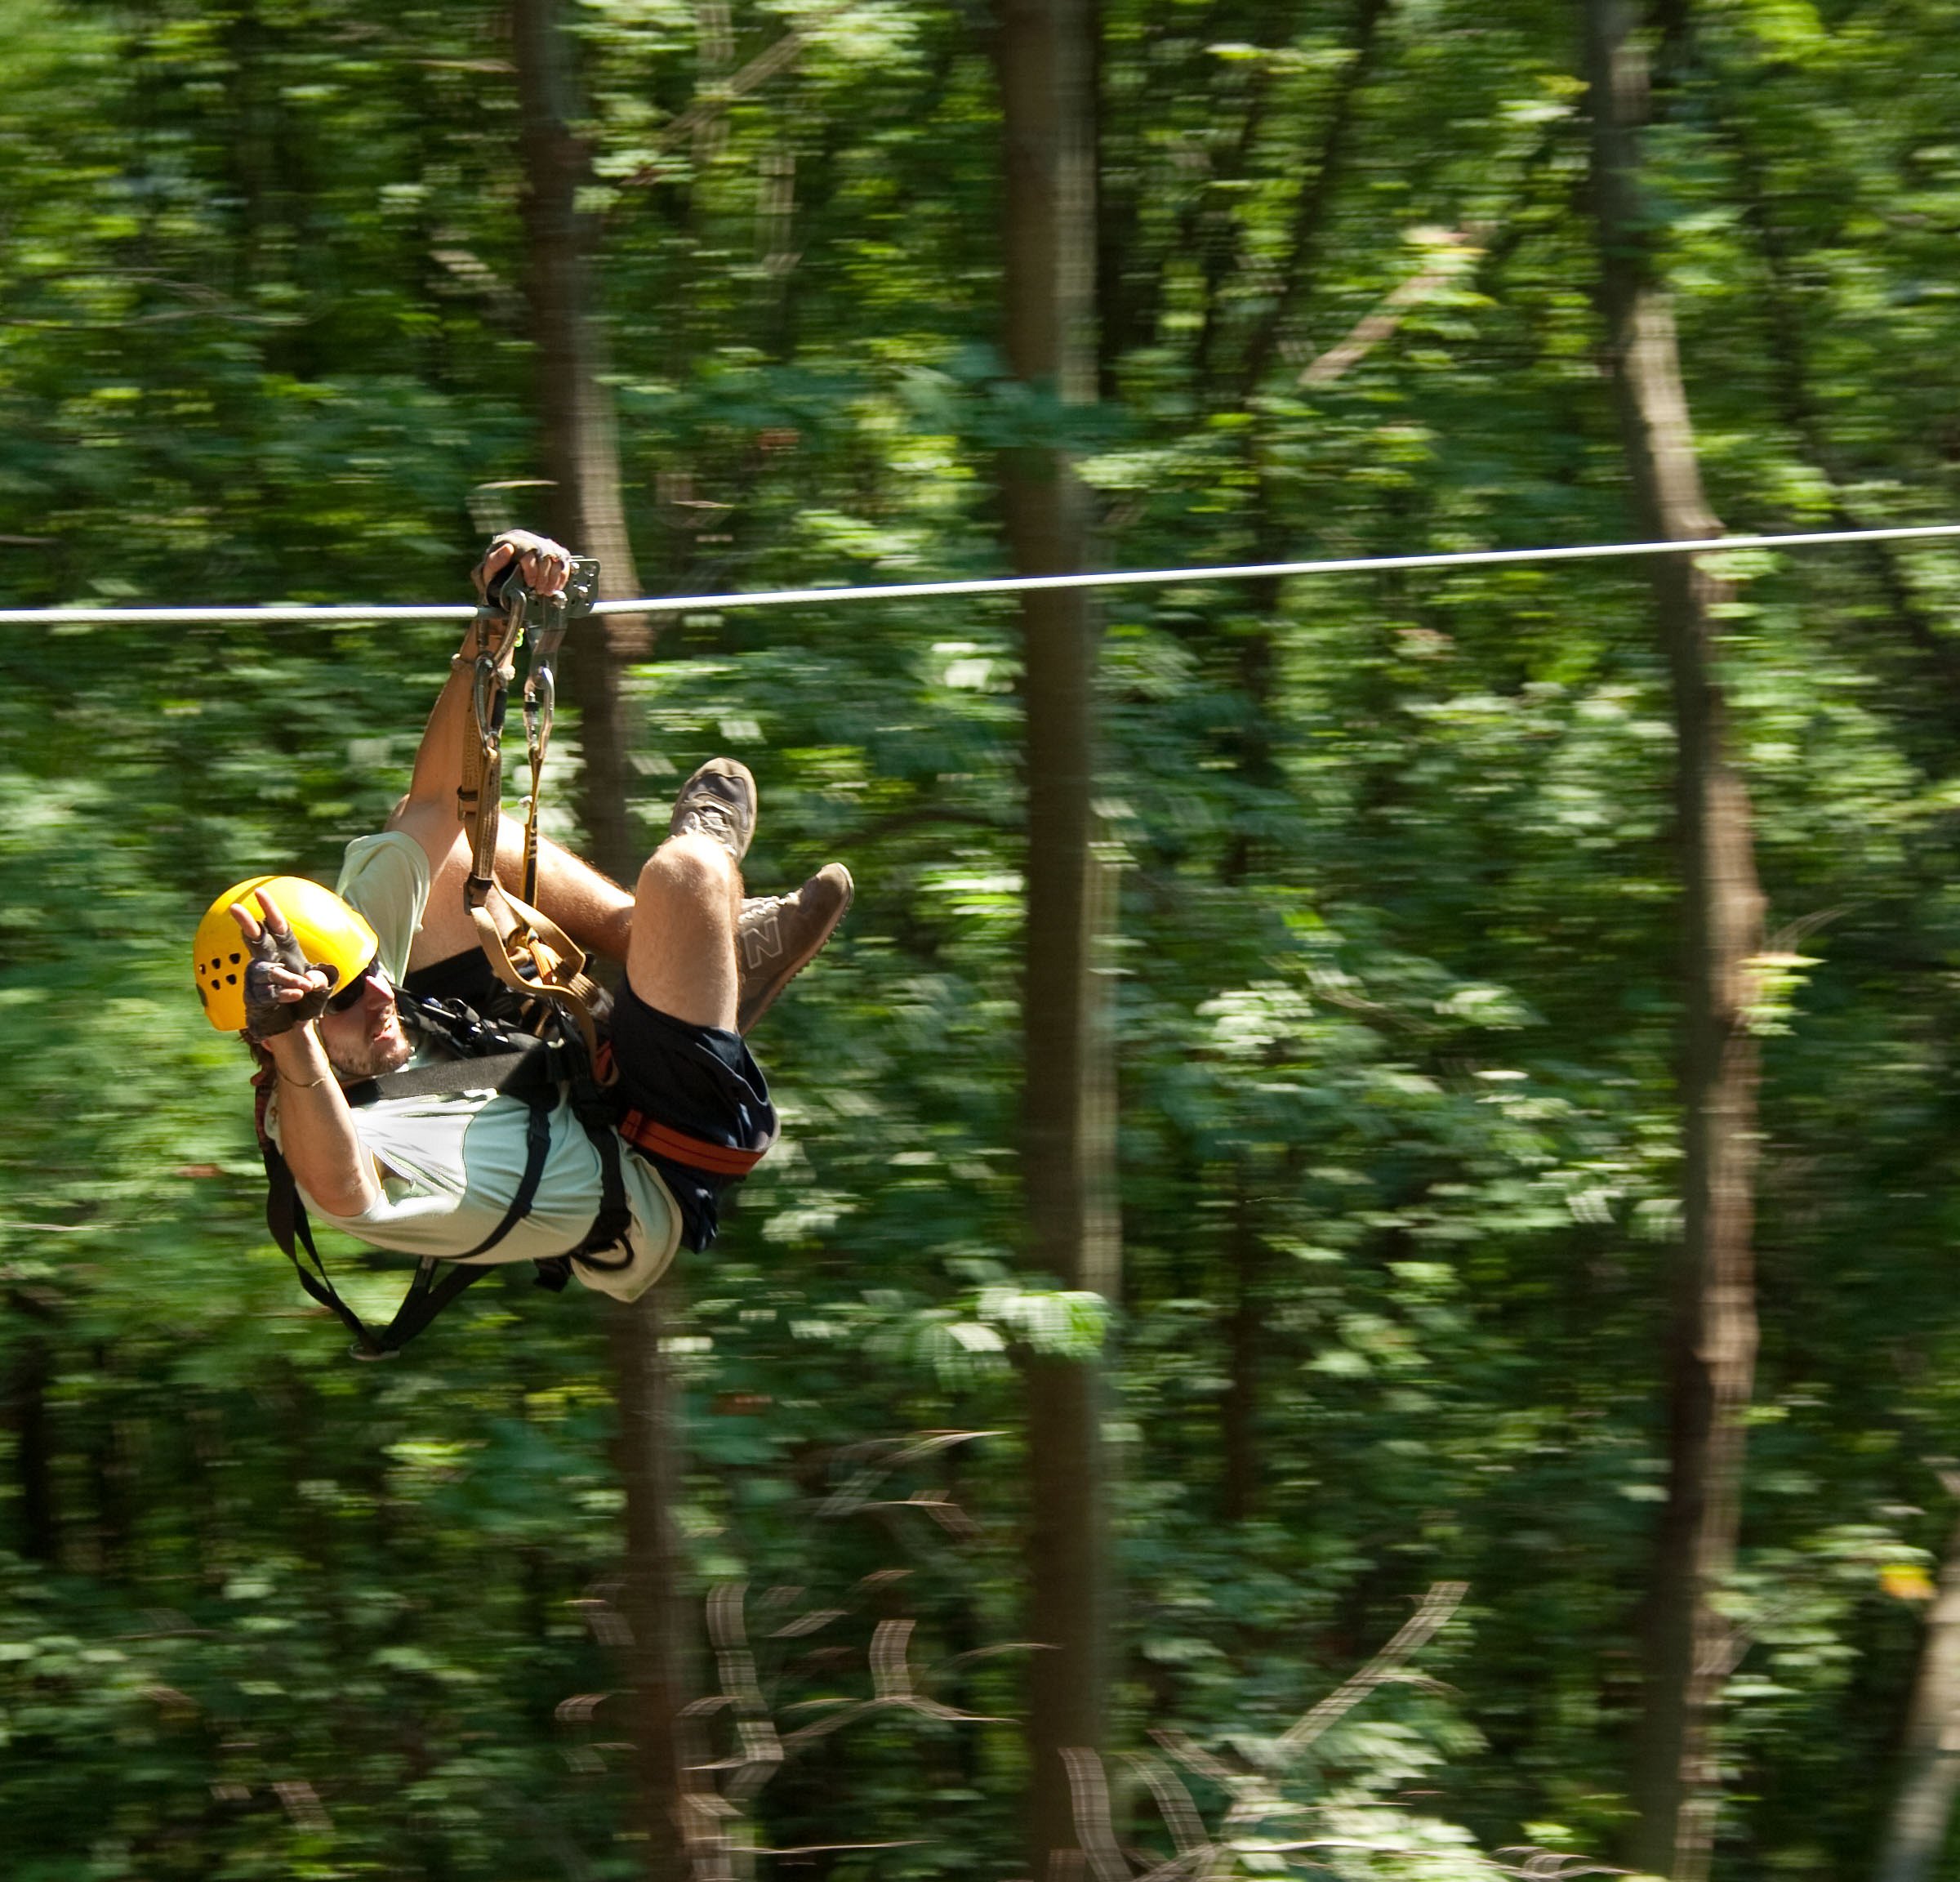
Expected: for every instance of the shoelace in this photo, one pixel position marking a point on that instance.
(710, 820)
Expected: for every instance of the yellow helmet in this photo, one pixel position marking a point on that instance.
(329, 933)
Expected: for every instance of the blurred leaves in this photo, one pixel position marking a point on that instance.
(1396, 979)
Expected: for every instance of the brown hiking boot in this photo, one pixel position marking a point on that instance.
(718, 802)
(780, 936)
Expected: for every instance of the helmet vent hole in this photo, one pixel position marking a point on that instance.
(231, 979)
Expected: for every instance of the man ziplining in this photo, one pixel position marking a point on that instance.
(399, 1102)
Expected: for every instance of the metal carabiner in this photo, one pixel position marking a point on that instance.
(541, 684)
(490, 680)
(556, 612)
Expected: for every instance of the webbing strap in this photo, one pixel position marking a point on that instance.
(436, 1285)
(427, 1295)
(528, 953)
(495, 1072)
(480, 789)
(611, 1225)
(557, 962)
(642, 1133)
(540, 695)
(537, 1146)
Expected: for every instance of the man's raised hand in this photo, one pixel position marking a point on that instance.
(544, 566)
(283, 989)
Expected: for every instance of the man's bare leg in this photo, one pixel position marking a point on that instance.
(776, 936)
(687, 906)
(680, 958)
(590, 907)
(587, 904)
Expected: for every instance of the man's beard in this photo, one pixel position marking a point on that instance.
(372, 1056)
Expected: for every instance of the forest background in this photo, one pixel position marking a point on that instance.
(1440, 1100)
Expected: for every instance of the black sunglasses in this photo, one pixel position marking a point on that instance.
(350, 994)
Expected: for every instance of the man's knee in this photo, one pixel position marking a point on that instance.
(691, 866)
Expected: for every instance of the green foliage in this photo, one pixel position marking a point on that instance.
(1396, 978)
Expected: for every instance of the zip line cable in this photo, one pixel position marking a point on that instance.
(996, 585)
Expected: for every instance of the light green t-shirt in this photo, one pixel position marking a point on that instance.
(449, 1164)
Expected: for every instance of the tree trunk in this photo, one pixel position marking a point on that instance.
(38, 1536)
(1688, 1647)
(1046, 64)
(1922, 1808)
(1245, 1253)
(578, 430)
(656, 1605)
(579, 450)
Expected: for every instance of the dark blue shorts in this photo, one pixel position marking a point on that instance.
(693, 1102)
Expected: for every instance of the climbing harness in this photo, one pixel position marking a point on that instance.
(478, 1056)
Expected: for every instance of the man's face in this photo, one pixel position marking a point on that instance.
(365, 1039)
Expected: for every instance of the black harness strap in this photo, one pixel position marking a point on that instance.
(615, 1216)
(537, 1145)
(493, 1058)
(496, 1072)
(427, 1296)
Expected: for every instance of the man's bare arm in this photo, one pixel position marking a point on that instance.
(317, 1137)
(594, 911)
(545, 567)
